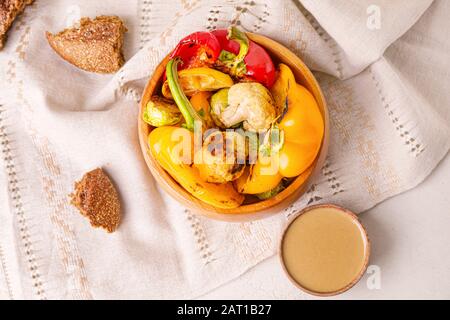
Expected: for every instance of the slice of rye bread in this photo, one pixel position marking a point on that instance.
(97, 199)
(9, 11)
(95, 46)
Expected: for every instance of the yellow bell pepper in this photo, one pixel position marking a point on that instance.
(261, 177)
(199, 79)
(173, 155)
(303, 129)
(200, 103)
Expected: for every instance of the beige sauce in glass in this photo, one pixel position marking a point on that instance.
(324, 250)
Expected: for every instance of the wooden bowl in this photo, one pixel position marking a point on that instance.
(252, 211)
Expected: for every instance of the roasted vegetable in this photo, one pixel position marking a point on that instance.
(219, 102)
(223, 157)
(185, 106)
(303, 130)
(264, 185)
(271, 193)
(197, 49)
(260, 177)
(244, 58)
(247, 102)
(175, 157)
(199, 79)
(200, 102)
(280, 88)
(161, 112)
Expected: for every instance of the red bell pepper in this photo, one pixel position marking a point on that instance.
(244, 58)
(197, 49)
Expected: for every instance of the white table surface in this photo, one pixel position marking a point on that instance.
(410, 237)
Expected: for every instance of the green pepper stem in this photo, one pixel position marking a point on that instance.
(239, 36)
(183, 103)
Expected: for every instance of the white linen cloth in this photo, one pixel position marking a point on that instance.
(386, 82)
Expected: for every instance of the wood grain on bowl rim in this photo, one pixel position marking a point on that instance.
(246, 212)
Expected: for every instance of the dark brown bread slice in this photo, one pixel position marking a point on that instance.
(9, 10)
(97, 199)
(95, 46)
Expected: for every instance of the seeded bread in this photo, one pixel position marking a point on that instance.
(95, 46)
(9, 11)
(97, 199)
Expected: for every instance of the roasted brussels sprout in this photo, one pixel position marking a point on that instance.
(219, 102)
(161, 112)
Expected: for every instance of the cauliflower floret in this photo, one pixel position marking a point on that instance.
(247, 102)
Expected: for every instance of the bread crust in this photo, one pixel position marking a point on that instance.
(9, 11)
(94, 46)
(97, 199)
